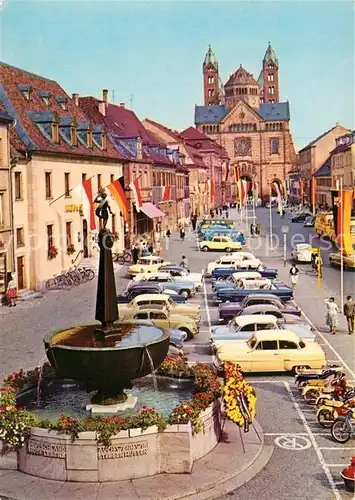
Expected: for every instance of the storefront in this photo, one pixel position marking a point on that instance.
(146, 220)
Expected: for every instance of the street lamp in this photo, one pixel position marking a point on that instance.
(285, 230)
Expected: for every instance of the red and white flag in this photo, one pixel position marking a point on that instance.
(210, 187)
(166, 195)
(276, 188)
(225, 170)
(136, 193)
(83, 192)
(245, 190)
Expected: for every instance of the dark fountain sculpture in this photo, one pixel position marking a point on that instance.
(107, 357)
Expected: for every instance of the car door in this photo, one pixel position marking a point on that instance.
(160, 319)
(249, 328)
(289, 353)
(216, 243)
(266, 357)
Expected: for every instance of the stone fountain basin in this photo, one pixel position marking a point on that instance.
(118, 358)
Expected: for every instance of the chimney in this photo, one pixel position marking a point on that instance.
(105, 96)
(102, 108)
(122, 105)
(75, 98)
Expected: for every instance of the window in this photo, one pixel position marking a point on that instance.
(73, 136)
(285, 344)
(141, 315)
(268, 326)
(98, 182)
(18, 186)
(83, 178)
(270, 77)
(20, 238)
(67, 185)
(274, 146)
(269, 345)
(49, 236)
(157, 315)
(2, 210)
(55, 132)
(48, 179)
(271, 90)
(248, 328)
(68, 233)
(90, 143)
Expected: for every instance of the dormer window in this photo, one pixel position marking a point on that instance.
(62, 102)
(45, 96)
(26, 91)
(90, 142)
(73, 136)
(55, 132)
(104, 141)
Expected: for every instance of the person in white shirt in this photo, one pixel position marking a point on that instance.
(332, 314)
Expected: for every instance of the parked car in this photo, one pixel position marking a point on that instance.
(143, 288)
(303, 252)
(207, 235)
(241, 278)
(205, 223)
(220, 243)
(228, 311)
(272, 351)
(309, 221)
(162, 318)
(301, 217)
(148, 264)
(222, 273)
(243, 260)
(348, 260)
(185, 288)
(179, 272)
(281, 290)
(151, 300)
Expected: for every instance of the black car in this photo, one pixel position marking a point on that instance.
(301, 217)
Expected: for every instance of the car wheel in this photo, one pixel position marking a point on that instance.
(188, 333)
(228, 250)
(227, 301)
(205, 248)
(185, 293)
(220, 279)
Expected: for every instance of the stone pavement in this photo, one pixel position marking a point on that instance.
(236, 459)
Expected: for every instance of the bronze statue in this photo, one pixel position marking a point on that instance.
(103, 210)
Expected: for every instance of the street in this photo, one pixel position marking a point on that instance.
(306, 461)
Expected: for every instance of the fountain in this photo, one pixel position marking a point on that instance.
(107, 357)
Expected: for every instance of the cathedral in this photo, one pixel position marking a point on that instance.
(246, 117)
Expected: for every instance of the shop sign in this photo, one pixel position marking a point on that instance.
(73, 208)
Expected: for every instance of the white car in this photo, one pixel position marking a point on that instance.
(163, 276)
(302, 253)
(241, 259)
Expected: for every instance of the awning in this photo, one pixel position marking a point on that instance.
(151, 210)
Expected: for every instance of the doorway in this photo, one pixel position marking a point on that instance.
(85, 239)
(21, 273)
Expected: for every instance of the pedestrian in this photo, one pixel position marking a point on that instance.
(294, 272)
(184, 262)
(252, 229)
(194, 222)
(135, 253)
(168, 233)
(12, 290)
(227, 214)
(150, 247)
(182, 234)
(145, 251)
(332, 314)
(349, 312)
(158, 248)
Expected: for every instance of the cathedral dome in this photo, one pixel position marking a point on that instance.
(241, 77)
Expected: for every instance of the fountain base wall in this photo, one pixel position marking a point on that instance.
(132, 454)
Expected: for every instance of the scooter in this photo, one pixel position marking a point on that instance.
(338, 395)
(303, 378)
(343, 428)
(315, 388)
(331, 410)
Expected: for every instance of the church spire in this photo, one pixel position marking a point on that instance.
(210, 58)
(270, 55)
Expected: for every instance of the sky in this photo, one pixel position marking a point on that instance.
(149, 54)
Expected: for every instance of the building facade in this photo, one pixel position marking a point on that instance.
(244, 116)
(6, 215)
(323, 179)
(57, 148)
(343, 161)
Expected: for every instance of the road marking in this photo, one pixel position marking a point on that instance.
(294, 443)
(286, 434)
(330, 347)
(314, 443)
(334, 448)
(269, 381)
(336, 465)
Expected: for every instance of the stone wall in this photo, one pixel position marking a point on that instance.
(132, 454)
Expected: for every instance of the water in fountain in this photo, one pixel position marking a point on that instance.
(155, 383)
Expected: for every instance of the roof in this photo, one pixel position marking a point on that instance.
(209, 114)
(274, 111)
(241, 77)
(210, 58)
(196, 158)
(312, 143)
(175, 135)
(325, 169)
(47, 101)
(202, 141)
(276, 335)
(260, 80)
(270, 55)
(255, 318)
(260, 307)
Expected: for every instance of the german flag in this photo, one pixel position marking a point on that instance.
(118, 194)
(342, 200)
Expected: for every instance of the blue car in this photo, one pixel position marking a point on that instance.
(140, 288)
(232, 233)
(282, 291)
(222, 273)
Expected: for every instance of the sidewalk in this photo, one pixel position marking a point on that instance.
(236, 459)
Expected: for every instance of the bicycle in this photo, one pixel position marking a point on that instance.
(124, 257)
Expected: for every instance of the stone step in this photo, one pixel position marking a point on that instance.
(26, 294)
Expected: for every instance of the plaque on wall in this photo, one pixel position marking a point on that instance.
(242, 146)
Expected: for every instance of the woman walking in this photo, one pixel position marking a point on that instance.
(182, 234)
(294, 272)
(12, 290)
(332, 314)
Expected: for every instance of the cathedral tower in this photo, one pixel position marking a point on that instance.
(269, 77)
(211, 90)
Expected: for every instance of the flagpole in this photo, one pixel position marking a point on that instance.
(341, 245)
(270, 217)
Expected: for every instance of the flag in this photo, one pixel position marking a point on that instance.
(342, 203)
(276, 188)
(166, 193)
(313, 191)
(245, 184)
(118, 194)
(84, 193)
(136, 193)
(301, 190)
(225, 170)
(236, 172)
(210, 186)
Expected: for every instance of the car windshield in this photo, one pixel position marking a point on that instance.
(143, 261)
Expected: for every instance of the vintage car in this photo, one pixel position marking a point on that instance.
(238, 280)
(300, 217)
(243, 260)
(152, 300)
(148, 264)
(143, 288)
(206, 223)
(272, 351)
(228, 311)
(161, 317)
(281, 290)
(303, 252)
(235, 235)
(309, 222)
(222, 273)
(348, 260)
(241, 327)
(220, 243)
(185, 288)
(180, 273)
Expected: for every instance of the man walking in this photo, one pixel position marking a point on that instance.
(349, 312)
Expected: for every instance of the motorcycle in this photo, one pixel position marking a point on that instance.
(338, 395)
(307, 375)
(331, 410)
(343, 428)
(316, 388)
